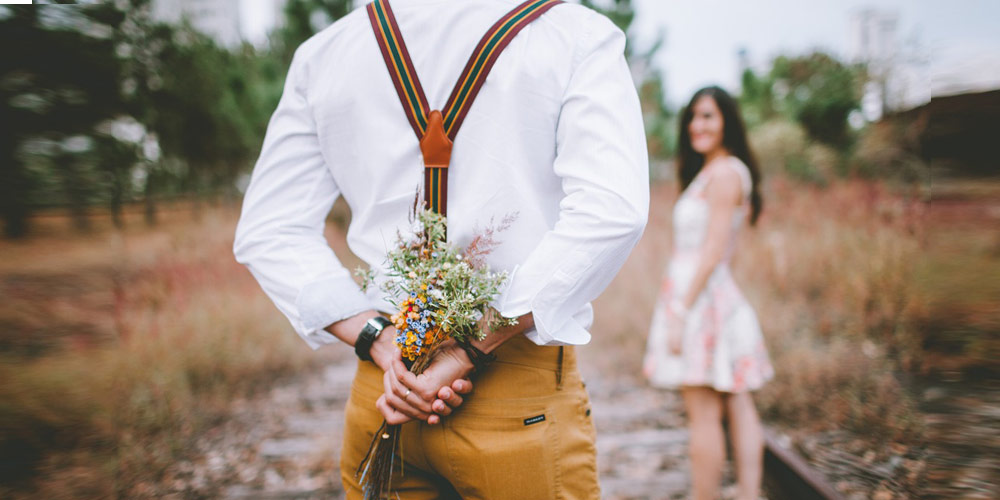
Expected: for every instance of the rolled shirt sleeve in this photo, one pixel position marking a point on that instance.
(279, 236)
(602, 161)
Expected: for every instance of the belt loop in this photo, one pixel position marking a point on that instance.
(559, 369)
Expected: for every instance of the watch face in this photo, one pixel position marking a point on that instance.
(379, 323)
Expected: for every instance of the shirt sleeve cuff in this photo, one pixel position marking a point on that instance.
(325, 301)
(553, 325)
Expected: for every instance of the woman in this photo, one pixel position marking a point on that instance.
(704, 337)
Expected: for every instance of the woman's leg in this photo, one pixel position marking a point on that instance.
(747, 437)
(707, 446)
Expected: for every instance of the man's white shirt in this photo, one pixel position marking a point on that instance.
(555, 136)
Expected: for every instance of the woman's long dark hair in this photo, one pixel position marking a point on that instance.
(734, 139)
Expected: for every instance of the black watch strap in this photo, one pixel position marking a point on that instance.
(480, 360)
(371, 331)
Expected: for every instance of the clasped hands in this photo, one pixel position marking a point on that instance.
(443, 385)
(428, 396)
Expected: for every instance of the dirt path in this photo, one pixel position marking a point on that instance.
(285, 445)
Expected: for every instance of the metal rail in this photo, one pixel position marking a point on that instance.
(788, 477)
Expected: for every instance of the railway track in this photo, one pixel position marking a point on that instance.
(787, 476)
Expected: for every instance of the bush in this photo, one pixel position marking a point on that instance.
(886, 150)
(783, 148)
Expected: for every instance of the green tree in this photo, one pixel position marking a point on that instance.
(820, 92)
(756, 99)
(56, 89)
(303, 19)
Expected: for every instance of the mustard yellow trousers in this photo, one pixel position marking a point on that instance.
(524, 433)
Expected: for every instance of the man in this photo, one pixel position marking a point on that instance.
(555, 136)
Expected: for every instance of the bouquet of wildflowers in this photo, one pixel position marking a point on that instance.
(439, 293)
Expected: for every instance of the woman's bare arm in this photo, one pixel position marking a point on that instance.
(723, 194)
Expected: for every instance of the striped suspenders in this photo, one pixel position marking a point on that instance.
(436, 130)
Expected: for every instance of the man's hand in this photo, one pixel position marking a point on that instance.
(448, 398)
(438, 391)
(386, 356)
(432, 394)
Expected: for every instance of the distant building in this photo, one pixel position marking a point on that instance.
(899, 76)
(873, 36)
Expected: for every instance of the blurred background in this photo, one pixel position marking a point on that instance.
(139, 360)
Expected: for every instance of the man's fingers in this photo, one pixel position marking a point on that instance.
(462, 386)
(402, 374)
(411, 398)
(450, 397)
(403, 393)
(433, 419)
(416, 384)
(401, 405)
(396, 397)
(441, 408)
(392, 417)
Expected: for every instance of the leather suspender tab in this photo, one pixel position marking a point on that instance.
(435, 145)
(436, 130)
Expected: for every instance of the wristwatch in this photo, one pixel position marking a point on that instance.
(371, 331)
(480, 360)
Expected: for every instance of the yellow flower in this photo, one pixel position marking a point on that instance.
(423, 286)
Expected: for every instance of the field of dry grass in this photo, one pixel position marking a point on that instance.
(829, 273)
(120, 347)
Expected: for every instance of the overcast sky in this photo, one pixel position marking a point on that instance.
(959, 39)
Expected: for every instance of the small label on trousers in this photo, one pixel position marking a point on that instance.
(534, 420)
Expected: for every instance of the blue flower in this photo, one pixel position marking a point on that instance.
(413, 294)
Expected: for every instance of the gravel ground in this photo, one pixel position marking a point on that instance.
(285, 445)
